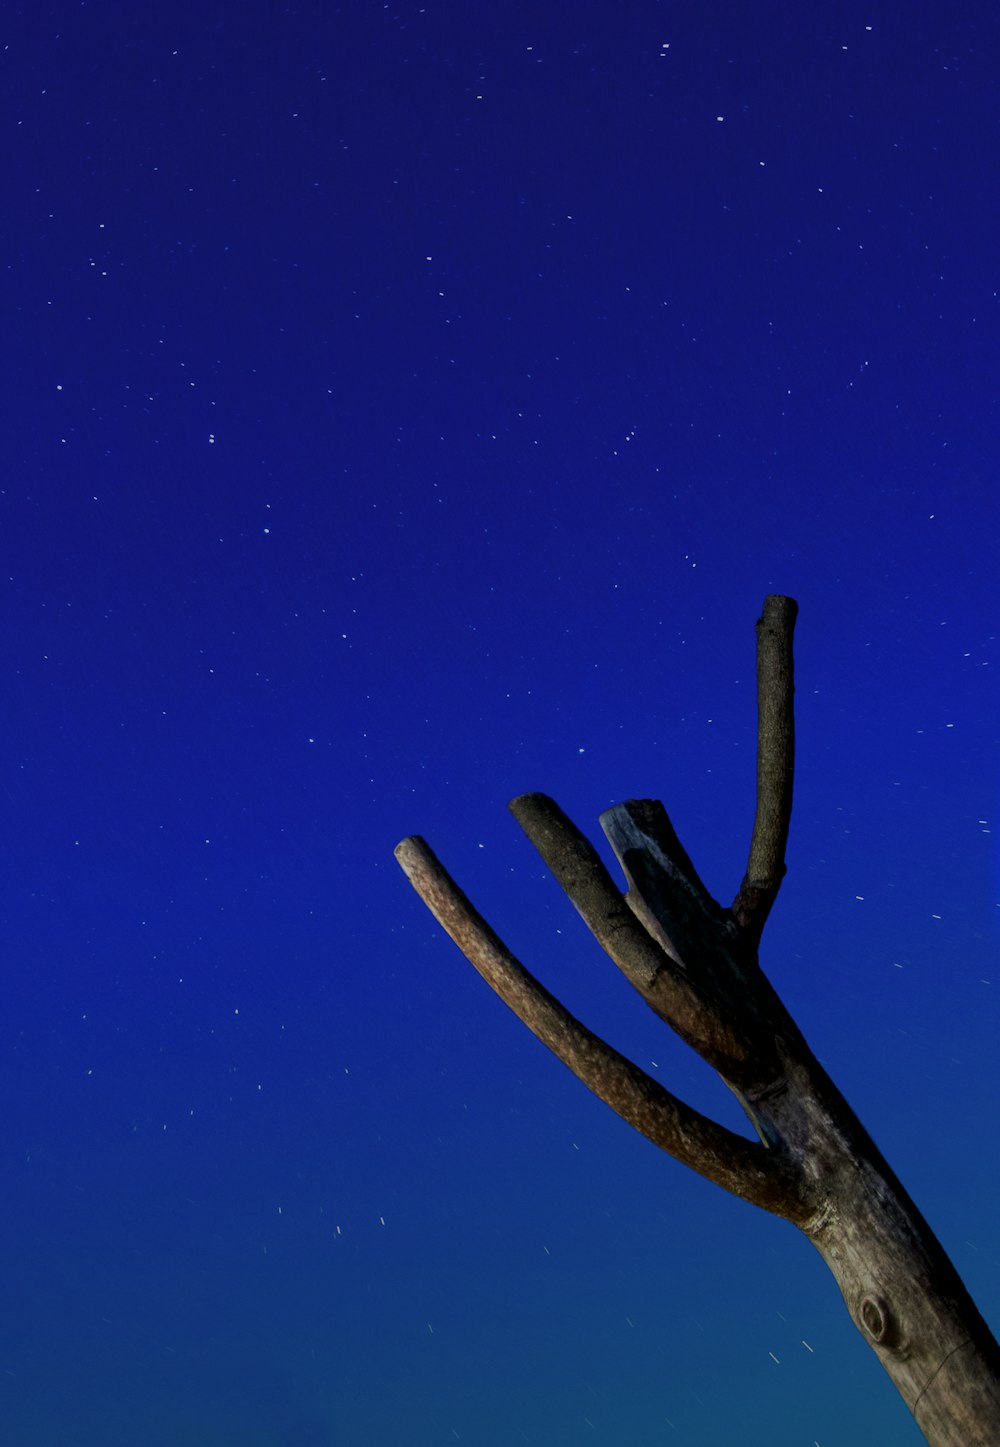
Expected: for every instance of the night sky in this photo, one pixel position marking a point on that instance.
(407, 406)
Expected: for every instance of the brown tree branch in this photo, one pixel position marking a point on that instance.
(666, 894)
(685, 1001)
(746, 1168)
(775, 765)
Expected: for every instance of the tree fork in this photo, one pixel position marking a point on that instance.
(695, 963)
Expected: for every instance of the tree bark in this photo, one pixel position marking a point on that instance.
(695, 963)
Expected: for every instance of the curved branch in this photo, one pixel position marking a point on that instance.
(746, 1168)
(775, 764)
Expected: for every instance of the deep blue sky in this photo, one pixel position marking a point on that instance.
(407, 406)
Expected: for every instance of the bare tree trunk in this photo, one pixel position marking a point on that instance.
(695, 963)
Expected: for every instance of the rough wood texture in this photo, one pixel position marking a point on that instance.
(695, 964)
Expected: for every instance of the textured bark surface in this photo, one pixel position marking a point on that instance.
(695, 963)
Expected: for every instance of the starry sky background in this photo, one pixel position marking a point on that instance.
(407, 406)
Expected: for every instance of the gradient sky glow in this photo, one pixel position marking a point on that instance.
(407, 406)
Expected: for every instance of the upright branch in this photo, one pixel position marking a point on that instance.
(775, 765)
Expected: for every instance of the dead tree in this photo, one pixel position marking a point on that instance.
(695, 963)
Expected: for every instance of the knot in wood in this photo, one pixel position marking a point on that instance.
(878, 1321)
